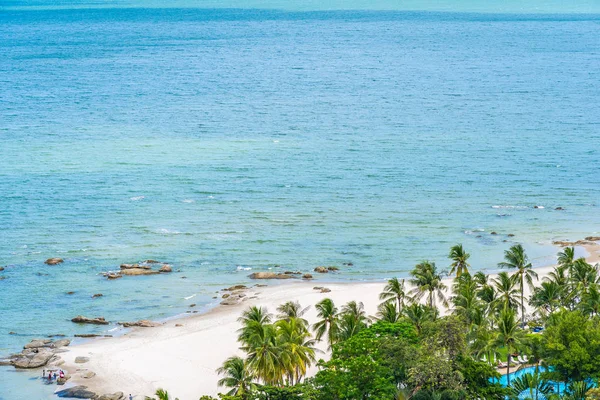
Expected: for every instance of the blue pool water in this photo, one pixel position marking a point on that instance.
(230, 140)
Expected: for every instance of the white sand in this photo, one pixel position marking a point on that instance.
(183, 359)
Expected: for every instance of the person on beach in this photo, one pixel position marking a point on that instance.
(130, 396)
(50, 376)
(61, 374)
(43, 373)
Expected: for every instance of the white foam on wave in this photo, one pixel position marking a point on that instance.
(539, 207)
(188, 201)
(240, 268)
(190, 297)
(165, 231)
(474, 231)
(509, 206)
(137, 198)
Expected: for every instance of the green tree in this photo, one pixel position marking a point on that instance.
(161, 394)
(352, 320)
(572, 345)
(388, 312)
(237, 377)
(534, 384)
(466, 302)
(509, 335)
(590, 300)
(515, 258)
(328, 323)
(566, 257)
(297, 348)
(459, 259)
(547, 297)
(419, 315)
(428, 282)
(507, 293)
(394, 291)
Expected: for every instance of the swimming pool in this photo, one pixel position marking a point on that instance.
(559, 387)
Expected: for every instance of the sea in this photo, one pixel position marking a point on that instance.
(231, 137)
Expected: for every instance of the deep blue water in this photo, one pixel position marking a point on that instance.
(223, 140)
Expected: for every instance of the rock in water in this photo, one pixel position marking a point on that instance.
(138, 271)
(307, 276)
(593, 238)
(97, 295)
(80, 319)
(36, 359)
(142, 323)
(76, 392)
(35, 343)
(53, 261)
(269, 275)
(321, 270)
(165, 268)
(1, 269)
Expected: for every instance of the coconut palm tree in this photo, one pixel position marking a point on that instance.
(533, 384)
(578, 390)
(353, 319)
(590, 300)
(428, 281)
(292, 309)
(388, 312)
(515, 258)
(582, 276)
(509, 335)
(237, 377)
(161, 394)
(506, 292)
(459, 259)
(253, 319)
(298, 351)
(419, 314)
(465, 300)
(566, 257)
(328, 323)
(546, 298)
(264, 353)
(394, 291)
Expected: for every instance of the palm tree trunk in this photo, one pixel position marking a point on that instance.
(522, 305)
(508, 367)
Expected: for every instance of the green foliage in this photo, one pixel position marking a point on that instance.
(572, 345)
(303, 391)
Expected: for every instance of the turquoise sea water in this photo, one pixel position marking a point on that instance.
(226, 141)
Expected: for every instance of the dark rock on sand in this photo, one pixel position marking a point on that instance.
(80, 319)
(81, 360)
(321, 270)
(88, 374)
(268, 275)
(236, 287)
(53, 261)
(325, 290)
(307, 276)
(76, 392)
(144, 323)
(593, 238)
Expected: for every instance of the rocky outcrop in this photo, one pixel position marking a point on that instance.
(81, 360)
(88, 374)
(113, 275)
(577, 243)
(307, 276)
(138, 271)
(321, 270)
(90, 335)
(36, 358)
(165, 268)
(269, 275)
(151, 262)
(54, 261)
(293, 273)
(37, 343)
(325, 290)
(333, 269)
(144, 323)
(134, 266)
(76, 392)
(80, 319)
(236, 287)
(593, 238)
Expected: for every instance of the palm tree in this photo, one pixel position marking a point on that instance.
(590, 300)
(298, 351)
(533, 383)
(293, 309)
(515, 258)
(509, 335)
(578, 390)
(329, 323)
(566, 257)
(388, 312)
(465, 300)
(161, 394)
(428, 281)
(353, 319)
(237, 377)
(264, 353)
(459, 259)
(582, 276)
(547, 297)
(506, 292)
(253, 320)
(419, 314)
(394, 291)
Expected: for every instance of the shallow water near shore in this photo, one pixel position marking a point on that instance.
(229, 141)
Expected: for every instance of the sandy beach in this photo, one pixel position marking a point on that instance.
(182, 355)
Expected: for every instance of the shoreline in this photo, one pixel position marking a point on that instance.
(181, 355)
